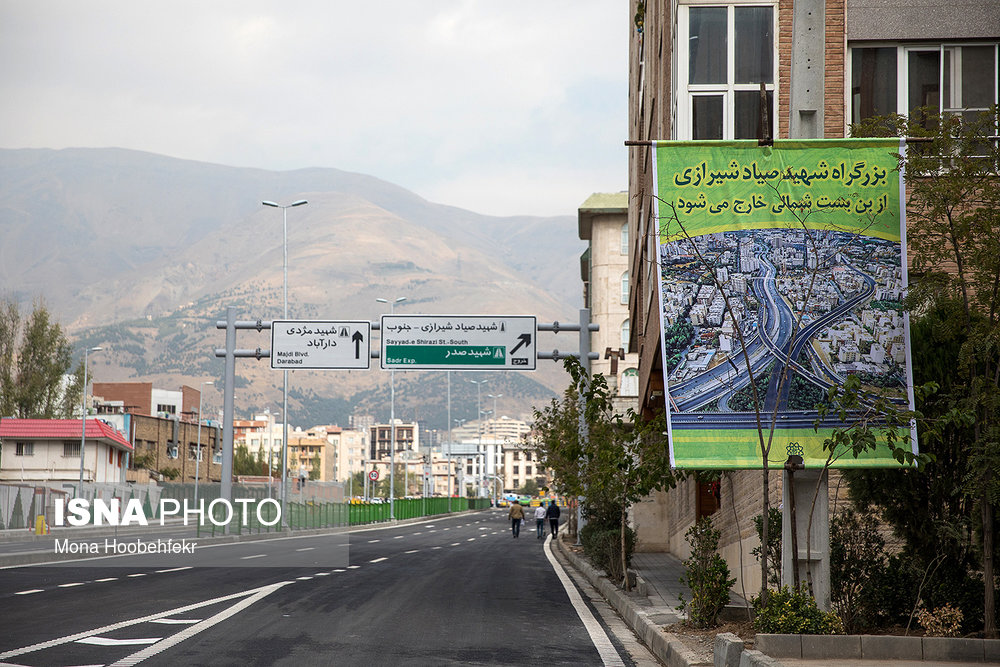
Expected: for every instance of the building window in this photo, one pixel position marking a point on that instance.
(629, 383)
(168, 409)
(948, 78)
(71, 449)
(28, 449)
(194, 451)
(527, 456)
(625, 334)
(624, 239)
(624, 285)
(527, 470)
(729, 54)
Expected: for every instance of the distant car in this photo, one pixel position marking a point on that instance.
(701, 416)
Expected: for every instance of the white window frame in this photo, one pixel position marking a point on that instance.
(624, 287)
(24, 449)
(903, 52)
(687, 91)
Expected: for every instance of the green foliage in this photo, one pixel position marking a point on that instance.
(773, 544)
(171, 473)
(34, 357)
(858, 564)
(792, 611)
(143, 460)
(245, 463)
(943, 621)
(603, 546)
(706, 575)
(953, 214)
(676, 338)
(530, 488)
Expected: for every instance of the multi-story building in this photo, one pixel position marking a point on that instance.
(698, 70)
(521, 465)
(349, 449)
(380, 437)
(604, 268)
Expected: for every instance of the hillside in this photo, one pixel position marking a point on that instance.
(141, 254)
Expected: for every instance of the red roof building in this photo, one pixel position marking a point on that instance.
(48, 450)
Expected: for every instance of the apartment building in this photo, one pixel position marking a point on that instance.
(698, 70)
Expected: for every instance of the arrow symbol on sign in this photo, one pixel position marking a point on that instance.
(525, 340)
(357, 338)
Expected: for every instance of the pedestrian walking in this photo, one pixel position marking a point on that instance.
(516, 516)
(540, 513)
(553, 514)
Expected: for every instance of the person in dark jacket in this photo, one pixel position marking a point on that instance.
(553, 514)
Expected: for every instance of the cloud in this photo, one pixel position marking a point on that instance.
(424, 94)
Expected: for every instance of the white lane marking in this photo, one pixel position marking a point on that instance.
(597, 634)
(107, 641)
(399, 537)
(306, 549)
(101, 581)
(254, 595)
(373, 541)
(454, 544)
(471, 539)
(432, 548)
(340, 570)
(76, 583)
(418, 533)
(140, 574)
(175, 621)
(175, 569)
(353, 567)
(322, 574)
(378, 560)
(29, 592)
(302, 578)
(192, 630)
(257, 556)
(412, 551)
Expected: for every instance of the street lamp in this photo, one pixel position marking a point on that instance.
(284, 383)
(460, 422)
(392, 421)
(197, 458)
(479, 417)
(83, 405)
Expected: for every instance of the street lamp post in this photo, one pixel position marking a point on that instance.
(83, 405)
(496, 463)
(197, 458)
(284, 387)
(392, 421)
(460, 422)
(479, 419)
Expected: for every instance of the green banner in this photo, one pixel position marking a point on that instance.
(782, 273)
(849, 185)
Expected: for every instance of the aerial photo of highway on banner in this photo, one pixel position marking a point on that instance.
(827, 308)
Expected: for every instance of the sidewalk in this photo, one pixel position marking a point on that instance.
(653, 606)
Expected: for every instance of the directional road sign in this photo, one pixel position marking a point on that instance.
(458, 342)
(320, 344)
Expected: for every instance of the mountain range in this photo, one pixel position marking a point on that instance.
(142, 253)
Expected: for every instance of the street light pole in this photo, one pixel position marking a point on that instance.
(460, 422)
(496, 464)
(83, 405)
(284, 383)
(197, 458)
(479, 422)
(392, 421)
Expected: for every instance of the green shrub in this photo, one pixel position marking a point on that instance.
(857, 567)
(773, 544)
(792, 611)
(603, 547)
(706, 575)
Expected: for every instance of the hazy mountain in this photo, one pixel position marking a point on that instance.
(142, 253)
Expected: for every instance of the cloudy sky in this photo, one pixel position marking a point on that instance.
(513, 107)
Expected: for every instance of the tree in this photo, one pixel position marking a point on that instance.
(34, 358)
(621, 458)
(954, 215)
(245, 463)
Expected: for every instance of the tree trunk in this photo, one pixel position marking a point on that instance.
(989, 608)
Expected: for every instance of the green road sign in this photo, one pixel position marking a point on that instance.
(458, 342)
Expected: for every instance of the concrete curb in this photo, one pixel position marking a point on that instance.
(664, 645)
(878, 647)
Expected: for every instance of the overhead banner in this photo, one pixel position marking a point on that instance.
(785, 264)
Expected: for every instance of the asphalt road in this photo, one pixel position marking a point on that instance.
(455, 590)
